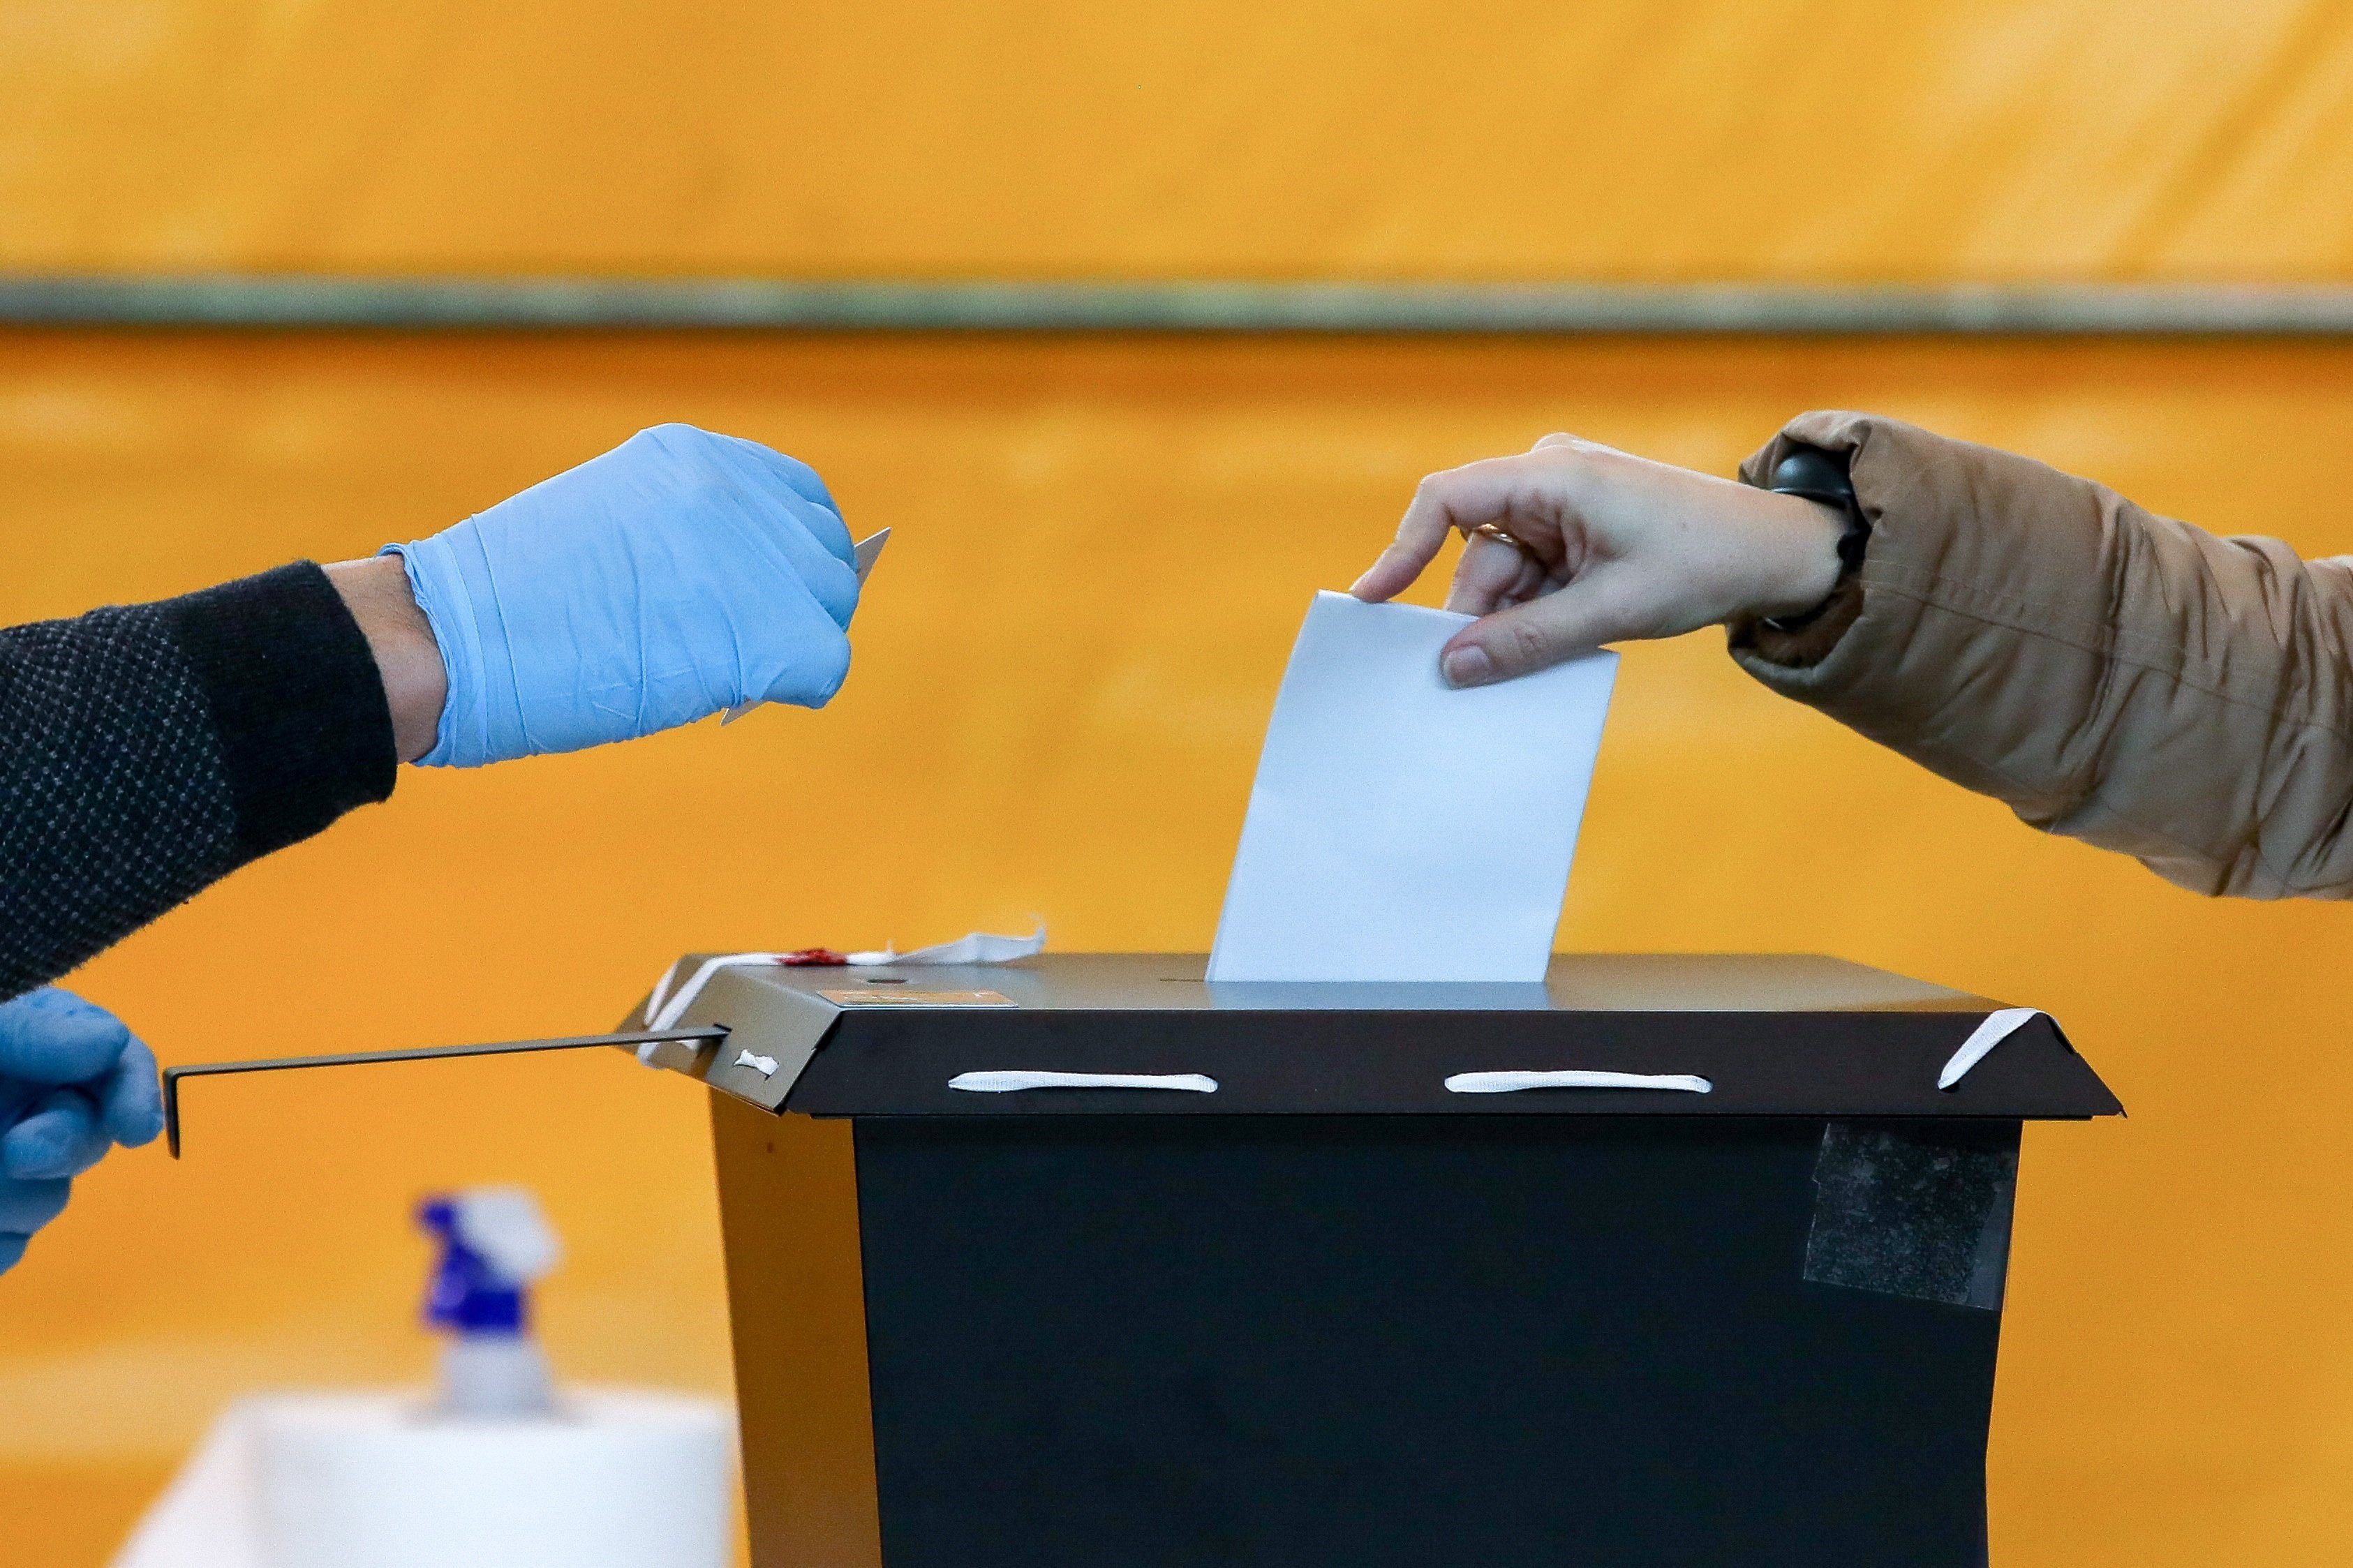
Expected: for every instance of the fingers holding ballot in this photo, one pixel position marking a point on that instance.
(1573, 544)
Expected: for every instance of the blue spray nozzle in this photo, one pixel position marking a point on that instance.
(494, 1243)
(466, 1293)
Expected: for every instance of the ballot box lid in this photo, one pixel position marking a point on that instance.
(1649, 1034)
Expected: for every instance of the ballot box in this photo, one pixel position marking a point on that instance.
(1082, 1262)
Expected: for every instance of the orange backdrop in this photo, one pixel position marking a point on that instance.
(1104, 549)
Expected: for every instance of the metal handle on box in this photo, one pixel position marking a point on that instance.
(171, 1076)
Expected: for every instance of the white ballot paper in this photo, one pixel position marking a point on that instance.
(1400, 829)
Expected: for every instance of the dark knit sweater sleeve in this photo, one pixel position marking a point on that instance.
(148, 751)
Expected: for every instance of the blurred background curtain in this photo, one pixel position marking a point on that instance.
(1102, 548)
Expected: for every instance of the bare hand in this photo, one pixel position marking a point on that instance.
(415, 683)
(1612, 547)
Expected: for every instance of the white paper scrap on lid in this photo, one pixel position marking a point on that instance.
(1399, 828)
(978, 947)
(664, 1007)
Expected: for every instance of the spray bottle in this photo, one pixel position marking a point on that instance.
(495, 1245)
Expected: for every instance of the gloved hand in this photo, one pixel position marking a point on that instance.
(72, 1079)
(679, 574)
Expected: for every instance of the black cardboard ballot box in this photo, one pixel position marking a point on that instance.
(1308, 1284)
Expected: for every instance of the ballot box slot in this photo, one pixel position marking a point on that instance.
(1514, 1081)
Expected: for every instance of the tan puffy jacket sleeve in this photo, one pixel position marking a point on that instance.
(2110, 675)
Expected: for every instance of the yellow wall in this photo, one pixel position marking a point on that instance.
(1606, 138)
(1104, 549)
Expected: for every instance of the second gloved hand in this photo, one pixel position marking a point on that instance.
(72, 1082)
(677, 574)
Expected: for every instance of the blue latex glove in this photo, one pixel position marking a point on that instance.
(679, 574)
(72, 1081)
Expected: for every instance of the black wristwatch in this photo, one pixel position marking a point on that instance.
(1822, 475)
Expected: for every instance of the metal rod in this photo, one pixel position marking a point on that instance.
(171, 1076)
(297, 303)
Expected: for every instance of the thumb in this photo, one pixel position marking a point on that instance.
(130, 1106)
(54, 1036)
(1534, 636)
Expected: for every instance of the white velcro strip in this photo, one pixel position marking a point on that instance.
(1998, 1027)
(1575, 1077)
(1007, 1082)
